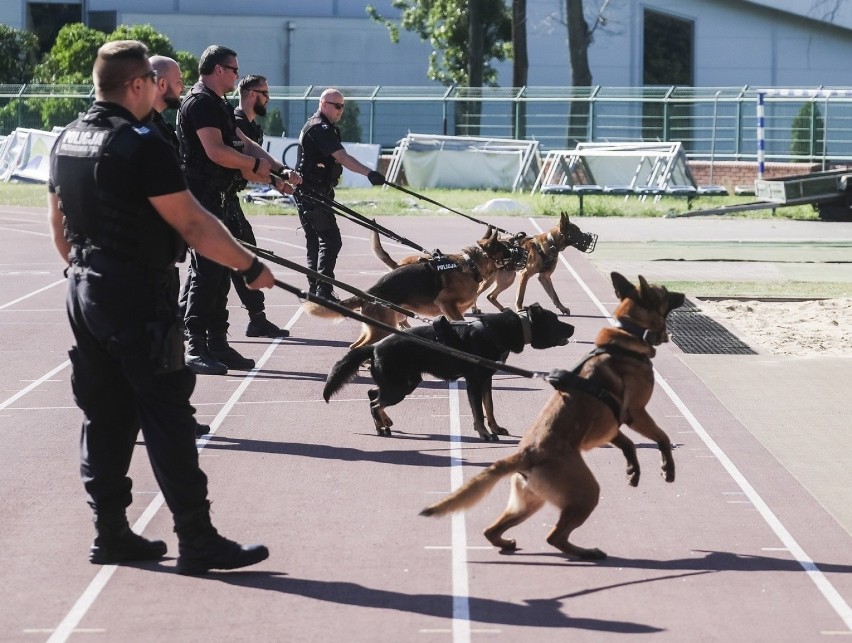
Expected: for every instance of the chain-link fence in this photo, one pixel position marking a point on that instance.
(713, 123)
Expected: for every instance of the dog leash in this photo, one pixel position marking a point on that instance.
(274, 258)
(441, 348)
(351, 215)
(441, 205)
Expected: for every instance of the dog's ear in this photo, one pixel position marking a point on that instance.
(623, 288)
(489, 231)
(675, 300)
(563, 220)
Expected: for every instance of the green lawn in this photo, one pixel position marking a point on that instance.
(389, 201)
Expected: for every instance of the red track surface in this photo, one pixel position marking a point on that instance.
(734, 550)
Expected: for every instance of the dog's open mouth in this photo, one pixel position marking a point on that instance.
(584, 241)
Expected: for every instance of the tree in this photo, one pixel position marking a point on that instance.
(447, 25)
(466, 35)
(808, 133)
(520, 61)
(18, 55)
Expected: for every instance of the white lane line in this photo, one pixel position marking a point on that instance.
(35, 292)
(461, 591)
(68, 626)
(825, 587)
(44, 378)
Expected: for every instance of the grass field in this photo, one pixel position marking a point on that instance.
(390, 202)
(375, 201)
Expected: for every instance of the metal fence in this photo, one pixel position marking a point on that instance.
(714, 123)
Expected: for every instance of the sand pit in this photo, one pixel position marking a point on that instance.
(811, 327)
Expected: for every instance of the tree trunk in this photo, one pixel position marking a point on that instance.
(471, 110)
(520, 62)
(579, 39)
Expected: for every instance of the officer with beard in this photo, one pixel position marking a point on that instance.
(169, 90)
(254, 96)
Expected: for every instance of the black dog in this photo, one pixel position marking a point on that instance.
(397, 366)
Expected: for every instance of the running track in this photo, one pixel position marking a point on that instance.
(734, 550)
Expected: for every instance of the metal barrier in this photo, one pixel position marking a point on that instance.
(713, 123)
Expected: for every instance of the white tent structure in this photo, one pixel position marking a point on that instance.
(25, 155)
(432, 161)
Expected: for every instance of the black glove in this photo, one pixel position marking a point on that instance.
(562, 380)
(375, 177)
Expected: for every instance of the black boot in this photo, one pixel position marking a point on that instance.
(198, 358)
(221, 351)
(260, 326)
(117, 543)
(201, 548)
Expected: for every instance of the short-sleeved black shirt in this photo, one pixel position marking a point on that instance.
(322, 135)
(252, 129)
(152, 170)
(202, 109)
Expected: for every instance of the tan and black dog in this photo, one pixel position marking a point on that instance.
(397, 365)
(609, 388)
(445, 285)
(540, 255)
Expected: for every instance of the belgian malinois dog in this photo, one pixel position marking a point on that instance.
(445, 285)
(609, 388)
(397, 365)
(539, 256)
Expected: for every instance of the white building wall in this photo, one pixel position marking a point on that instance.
(323, 51)
(737, 42)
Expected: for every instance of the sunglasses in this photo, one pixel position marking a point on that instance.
(236, 70)
(148, 74)
(337, 105)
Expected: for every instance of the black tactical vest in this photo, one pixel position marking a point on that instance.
(97, 218)
(195, 160)
(317, 169)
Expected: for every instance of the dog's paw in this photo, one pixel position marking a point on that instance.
(633, 479)
(498, 430)
(668, 471)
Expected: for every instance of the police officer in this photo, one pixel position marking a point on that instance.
(119, 213)
(254, 96)
(321, 162)
(214, 157)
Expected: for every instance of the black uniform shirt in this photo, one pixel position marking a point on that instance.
(252, 129)
(323, 135)
(153, 169)
(202, 110)
(165, 129)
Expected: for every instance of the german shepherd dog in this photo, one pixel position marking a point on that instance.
(446, 286)
(609, 388)
(397, 365)
(539, 255)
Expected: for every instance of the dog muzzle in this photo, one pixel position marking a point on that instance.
(584, 242)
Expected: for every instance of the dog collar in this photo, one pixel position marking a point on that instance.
(526, 325)
(645, 334)
(469, 262)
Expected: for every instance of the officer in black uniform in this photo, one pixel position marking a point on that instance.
(254, 95)
(321, 162)
(214, 158)
(119, 214)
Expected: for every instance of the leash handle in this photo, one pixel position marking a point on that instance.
(441, 348)
(441, 205)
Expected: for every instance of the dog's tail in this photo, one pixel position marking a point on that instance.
(477, 487)
(318, 310)
(380, 252)
(345, 369)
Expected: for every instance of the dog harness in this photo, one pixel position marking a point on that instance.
(563, 380)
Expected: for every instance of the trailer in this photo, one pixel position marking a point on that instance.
(830, 192)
